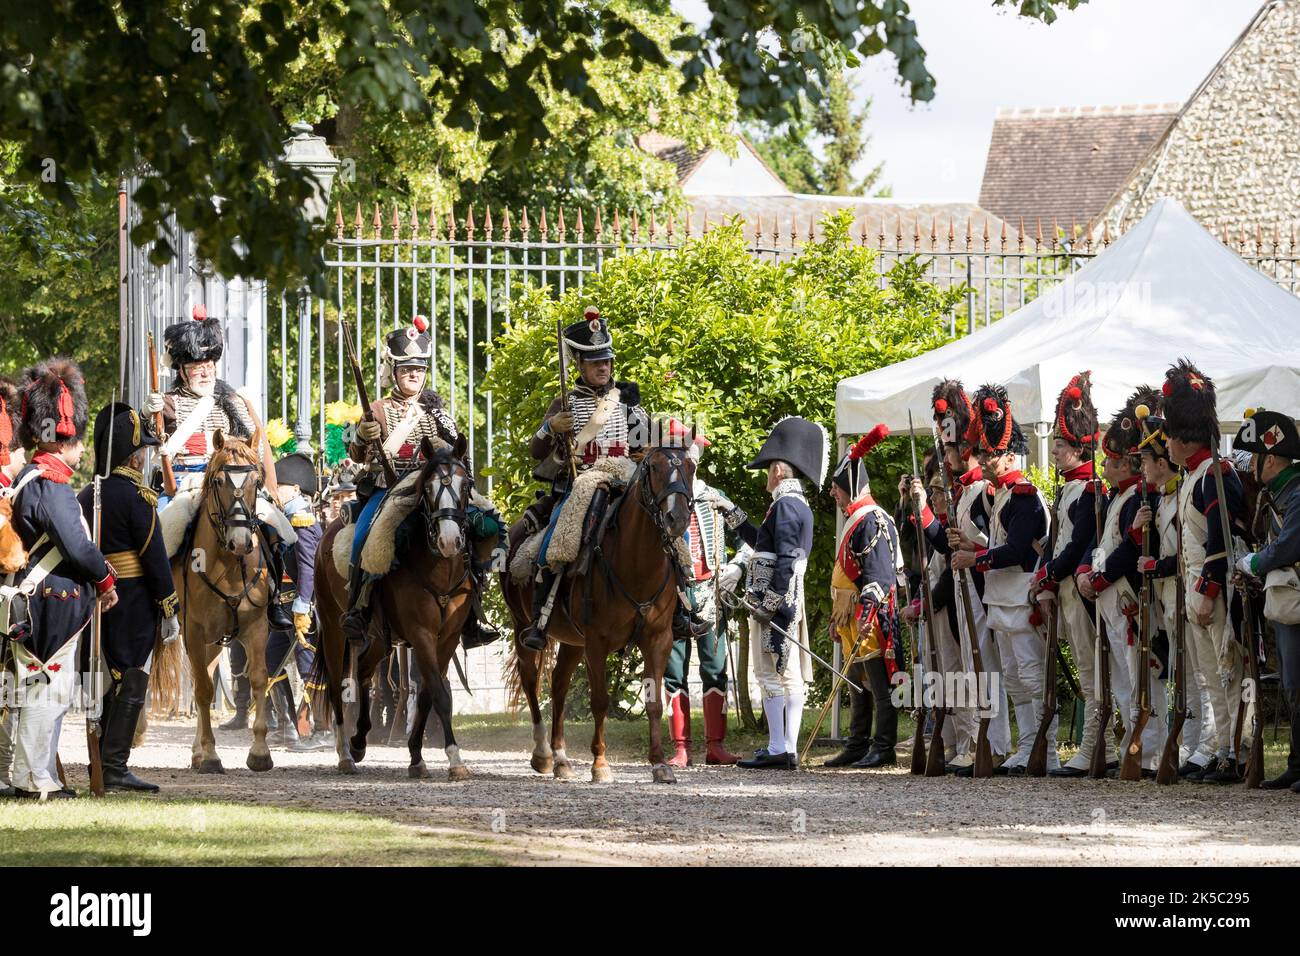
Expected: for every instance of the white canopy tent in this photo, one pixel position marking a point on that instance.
(1165, 290)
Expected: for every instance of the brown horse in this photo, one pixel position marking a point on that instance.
(633, 592)
(423, 602)
(224, 585)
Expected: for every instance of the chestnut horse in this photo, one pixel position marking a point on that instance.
(224, 585)
(633, 593)
(422, 602)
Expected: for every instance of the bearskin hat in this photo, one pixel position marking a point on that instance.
(952, 411)
(851, 472)
(994, 429)
(11, 404)
(1189, 405)
(198, 340)
(1126, 431)
(54, 407)
(1076, 416)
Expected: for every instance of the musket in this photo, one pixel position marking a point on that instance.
(860, 644)
(1037, 765)
(733, 601)
(934, 763)
(168, 476)
(367, 414)
(983, 766)
(565, 441)
(1105, 703)
(95, 706)
(1167, 773)
(1255, 761)
(1130, 767)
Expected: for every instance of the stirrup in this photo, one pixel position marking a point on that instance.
(533, 638)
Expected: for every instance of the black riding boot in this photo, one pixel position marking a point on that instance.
(476, 631)
(277, 613)
(534, 636)
(687, 623)
(242, 689)
(356, 619)
(119, 730)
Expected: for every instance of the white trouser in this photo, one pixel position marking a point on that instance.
(1198, 730)
(187, 501)
(1206, 644)
(38, 722)
(786, 686)
(1121, 660)
(1022, 653)
(1000, 719)
(960, 724)
(1077, 630)
(8, 724)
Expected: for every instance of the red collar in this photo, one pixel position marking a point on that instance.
(1194, 461)
(861, 501)
(4, 480)
(1126, 484)
(972, 476)
(1009, 479)
(52, 467)
(1082, 473)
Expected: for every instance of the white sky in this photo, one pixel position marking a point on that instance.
(1105, 52)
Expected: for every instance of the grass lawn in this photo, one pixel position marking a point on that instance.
(127, 831)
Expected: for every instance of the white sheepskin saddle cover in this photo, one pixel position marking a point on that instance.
(566, 542)
(381, 541)
(342, 550)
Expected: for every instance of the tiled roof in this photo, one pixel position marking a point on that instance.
(1066, 164)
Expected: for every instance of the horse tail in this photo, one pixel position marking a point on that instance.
(513, 680)
(318, 679)
(165, 678)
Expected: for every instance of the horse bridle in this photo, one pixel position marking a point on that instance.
(442, 478)
(238, 516)
(652, 502)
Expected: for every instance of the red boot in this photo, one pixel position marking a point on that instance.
(715, 728)
(679, 725)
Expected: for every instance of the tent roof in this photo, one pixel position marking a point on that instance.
(1166, 289)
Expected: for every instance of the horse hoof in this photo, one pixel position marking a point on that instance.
(196, 761)
(347, 766)
(259, 762)
(664, 773)
(211, 766)
(358, 753)
(417, 770)
(542, 764)
(563, 771)
(455, 774)
(602, 774)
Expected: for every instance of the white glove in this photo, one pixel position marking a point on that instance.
(729, 577)
(367, 430)
(171, 629)
(1244, 565)
(154, 403)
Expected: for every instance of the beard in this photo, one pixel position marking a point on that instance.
(202, 389)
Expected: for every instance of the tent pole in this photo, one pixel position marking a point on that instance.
(837, 655)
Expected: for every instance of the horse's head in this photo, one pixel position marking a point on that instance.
(230, 489)
(445, 485)
(669, 474)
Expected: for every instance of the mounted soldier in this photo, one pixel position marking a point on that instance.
(598, 419)
(398, 423)
(795, 451)
(133, 546)
(715, 521)
(198, 407)
(49, 603)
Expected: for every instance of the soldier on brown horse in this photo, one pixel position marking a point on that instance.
(423, 601)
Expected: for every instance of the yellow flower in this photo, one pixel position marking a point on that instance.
(277, 432)
(342, 413)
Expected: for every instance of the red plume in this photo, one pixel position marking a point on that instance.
(65, 427)
(199, 313)
(990, 405)
(868, 441)
(941, 405)
(6, 431)
(421, 323)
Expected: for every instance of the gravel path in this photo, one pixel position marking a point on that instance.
(727, 816)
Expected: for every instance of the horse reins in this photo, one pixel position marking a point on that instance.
(444, 473)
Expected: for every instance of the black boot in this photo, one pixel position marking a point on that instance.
(356, 619)
(687, 623)
(277, 613)
(284, 709)
(534, 636)
(1284, 782)
(115, 743)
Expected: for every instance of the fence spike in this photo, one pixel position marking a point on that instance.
(1074, 228)
(577, 225)
(487, 222)
(618, 227)
(396, 223)
(524, 230)
(812, 228)
(704, 228)
(671, 217)
(1277, 235)
(542, 229)
(1105, 233)
(338, 221)
(1004, 235)
(559, 226)
(469, 223)
(986, 233)
(1259, 239)
(376, 225)
(969, 237)
(916, 233)
(794, 230)
(451, 224)
(433, 222)
(636, 227)
(356, 225)
(415, 222)
(505, 224)
(599, 228)
(758, 230)
(653, 230)
(1056, 232)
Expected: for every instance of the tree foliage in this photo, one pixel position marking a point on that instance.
(733, 343)
(185, 88)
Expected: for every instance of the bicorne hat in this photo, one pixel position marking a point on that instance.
(801, 443)
(851, 472)
(297, 469)
(130, 430)
(1268, 433)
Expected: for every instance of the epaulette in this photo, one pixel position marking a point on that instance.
(1024, 488)
(1095, 486)
(303, 519)
(149, 495)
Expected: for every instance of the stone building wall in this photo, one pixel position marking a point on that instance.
(1233, 159)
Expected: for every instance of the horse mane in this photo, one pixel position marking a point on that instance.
(236, 449)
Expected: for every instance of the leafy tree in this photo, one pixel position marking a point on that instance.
(717, 337)
(184, 87)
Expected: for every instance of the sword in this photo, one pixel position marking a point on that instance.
(734, 601)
